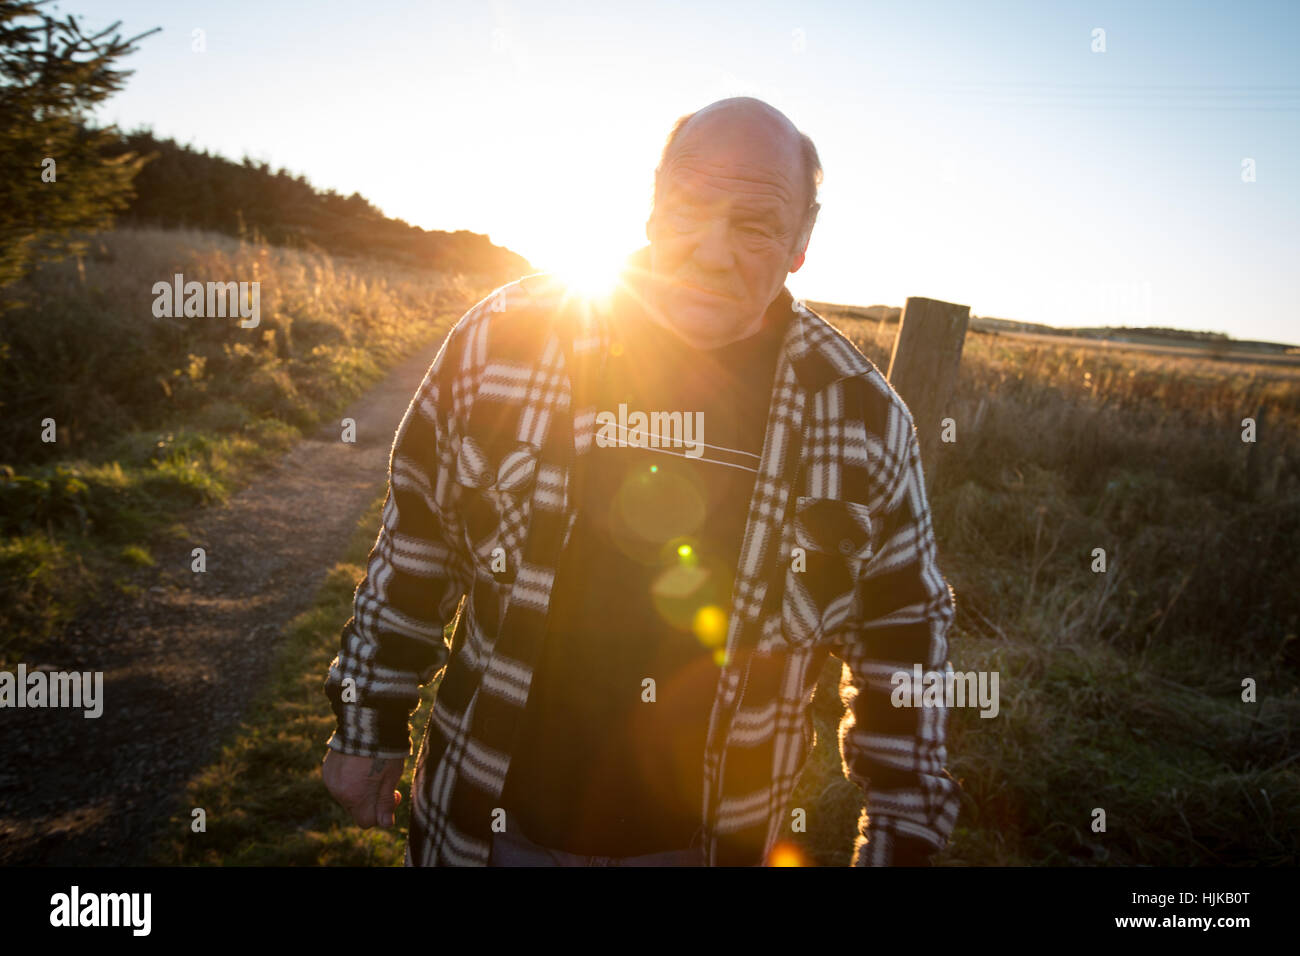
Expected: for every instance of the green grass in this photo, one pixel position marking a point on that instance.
(264, 800)
(70, 529)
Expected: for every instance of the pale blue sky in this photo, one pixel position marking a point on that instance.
(981, 153)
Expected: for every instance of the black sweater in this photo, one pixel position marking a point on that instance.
(641, 593)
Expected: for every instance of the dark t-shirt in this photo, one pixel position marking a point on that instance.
(643, 590)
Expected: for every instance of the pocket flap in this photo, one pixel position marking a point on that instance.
(833, 526)
(474, 469)
(518, 469)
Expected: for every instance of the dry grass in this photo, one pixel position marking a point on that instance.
(85, 348)
(155, 415)
(1120, 690)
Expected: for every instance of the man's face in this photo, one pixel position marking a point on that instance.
(723, 234)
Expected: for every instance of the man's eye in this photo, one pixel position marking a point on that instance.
(682, 218)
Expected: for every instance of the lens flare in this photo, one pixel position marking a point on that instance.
(787, 854)
(591, 272)
(710, 625)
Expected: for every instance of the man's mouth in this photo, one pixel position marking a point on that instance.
(703, 291)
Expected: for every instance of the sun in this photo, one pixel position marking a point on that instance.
(590, 273)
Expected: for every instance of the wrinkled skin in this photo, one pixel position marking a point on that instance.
(729, 219)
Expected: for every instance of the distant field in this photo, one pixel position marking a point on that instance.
(1204, 352)
(1171, 342)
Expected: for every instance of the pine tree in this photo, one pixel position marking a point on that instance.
(55, 180)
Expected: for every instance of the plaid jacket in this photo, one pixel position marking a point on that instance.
(485, 477)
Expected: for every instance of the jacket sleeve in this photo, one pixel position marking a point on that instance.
(896, 754)
(415, 578)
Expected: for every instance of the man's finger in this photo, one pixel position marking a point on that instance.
(387, 804)
(365, 813)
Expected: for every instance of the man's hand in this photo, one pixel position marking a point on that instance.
(364, 786)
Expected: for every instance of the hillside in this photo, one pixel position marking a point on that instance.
(183, 187)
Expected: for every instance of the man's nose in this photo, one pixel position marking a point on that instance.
(713, 251)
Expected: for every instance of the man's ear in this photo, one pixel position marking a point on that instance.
(802, 245)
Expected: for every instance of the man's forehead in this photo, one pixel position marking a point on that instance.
(759, 185)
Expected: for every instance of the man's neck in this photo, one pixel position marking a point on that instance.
(659, 318)
(650, 306)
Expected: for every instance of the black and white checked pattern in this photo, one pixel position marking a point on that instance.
(490, 455)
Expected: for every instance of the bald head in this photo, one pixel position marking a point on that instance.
(755, 126)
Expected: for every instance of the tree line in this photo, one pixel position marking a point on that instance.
(61, 177)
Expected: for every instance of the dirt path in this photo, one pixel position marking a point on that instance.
(182, 662)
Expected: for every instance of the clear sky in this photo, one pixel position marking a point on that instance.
(982, 153)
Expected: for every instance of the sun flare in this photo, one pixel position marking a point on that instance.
(590, 273)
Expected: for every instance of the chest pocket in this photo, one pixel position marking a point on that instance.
(832, 543)
(496, 502)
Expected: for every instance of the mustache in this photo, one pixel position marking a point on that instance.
(636, 272)
(698, 285)
(635, 283)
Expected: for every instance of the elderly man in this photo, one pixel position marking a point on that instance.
(662, 512)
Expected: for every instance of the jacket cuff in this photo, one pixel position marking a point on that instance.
(343, 744)
(364, 730)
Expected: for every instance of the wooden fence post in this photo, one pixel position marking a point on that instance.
(923, 367)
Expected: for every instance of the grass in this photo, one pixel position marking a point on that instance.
(118, 422)
(1120, 689)
(262, 796)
